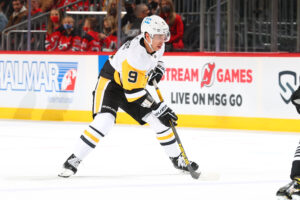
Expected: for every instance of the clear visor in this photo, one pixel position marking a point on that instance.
(164, 37)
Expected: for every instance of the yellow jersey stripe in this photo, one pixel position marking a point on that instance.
(166, 137)
(99, 91)
(91, 136)
(117, 78)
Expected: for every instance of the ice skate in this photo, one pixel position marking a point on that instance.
(290, 191)
(179, 163)
(70, 166)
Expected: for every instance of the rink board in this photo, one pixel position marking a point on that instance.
(227, 90)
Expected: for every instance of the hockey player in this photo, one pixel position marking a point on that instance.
(121, 84)
(292, 190)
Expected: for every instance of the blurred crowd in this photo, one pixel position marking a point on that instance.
(64, 33)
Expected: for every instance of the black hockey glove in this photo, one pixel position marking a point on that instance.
(165, 114)
(295, 98)
(157, 73)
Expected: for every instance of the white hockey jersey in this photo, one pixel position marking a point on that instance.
(133, 63)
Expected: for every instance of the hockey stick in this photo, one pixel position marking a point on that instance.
(193, 173)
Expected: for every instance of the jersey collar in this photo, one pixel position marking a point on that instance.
(143, 45)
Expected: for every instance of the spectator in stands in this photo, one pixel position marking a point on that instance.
(129, 17)
(69, 39)
(133, 29)
(141, 12)
(3, 18)
(153, 6)
(112, 10)
(54, 30)
(109, 35)
(175, 23)
(90, 39)
(19, 14)
(35, 7)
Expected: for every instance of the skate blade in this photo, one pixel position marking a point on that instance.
(66, 173)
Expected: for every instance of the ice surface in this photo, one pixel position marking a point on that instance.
(130, 164)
